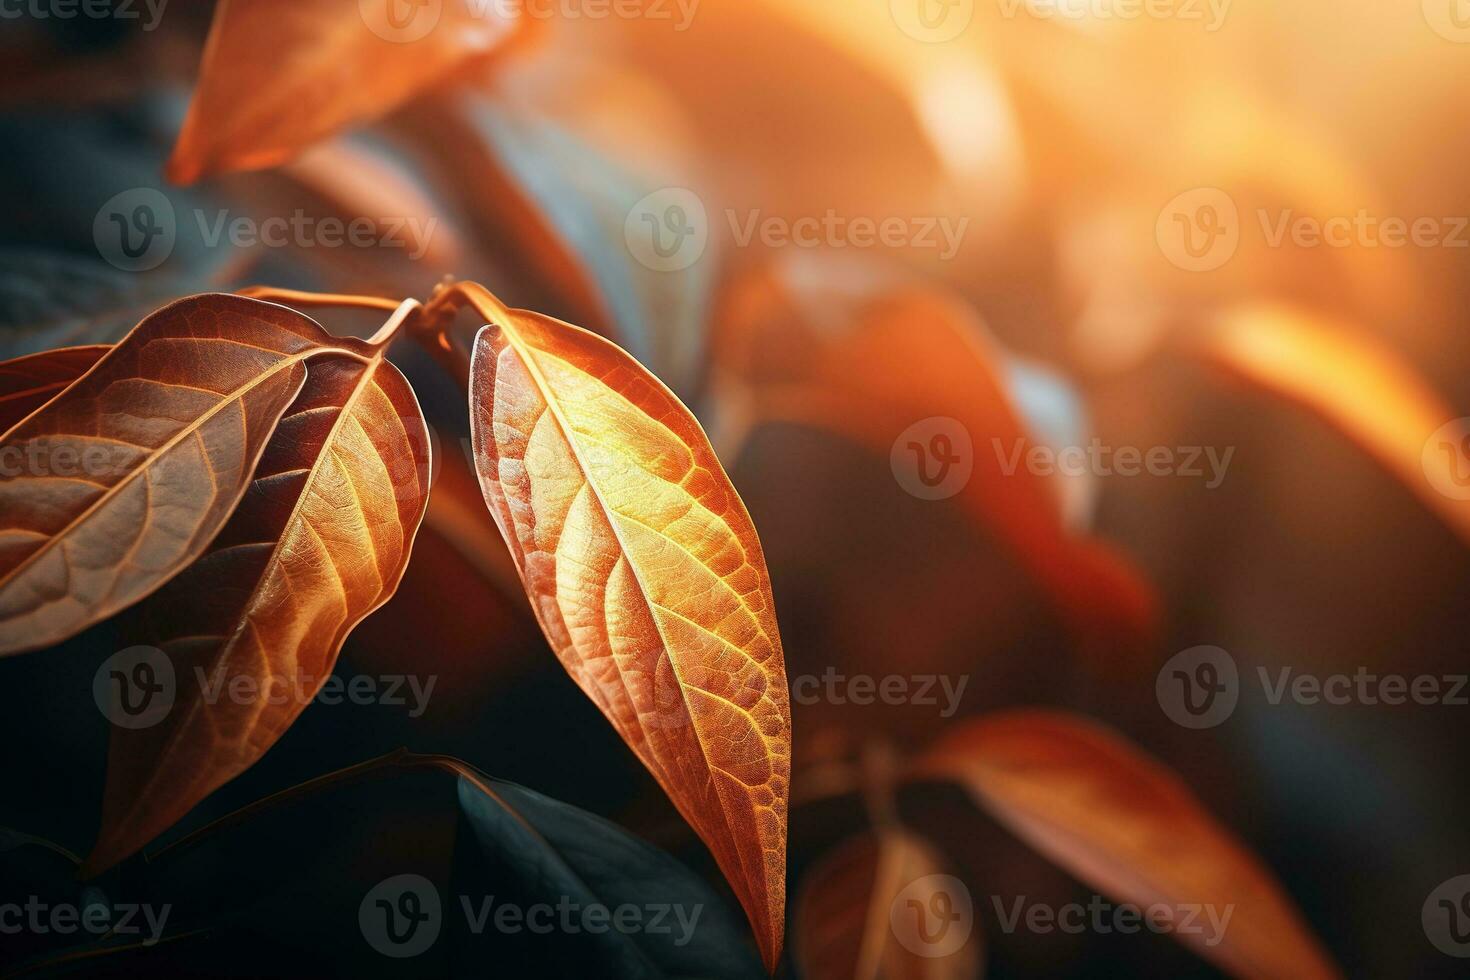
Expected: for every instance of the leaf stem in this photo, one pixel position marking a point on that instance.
(296, 297)
(434, 331)
(389, 329)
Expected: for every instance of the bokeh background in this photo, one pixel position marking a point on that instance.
(1066, 140)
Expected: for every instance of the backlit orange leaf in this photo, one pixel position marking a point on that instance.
(27, 383)
(1365, 390)
(850, 901)
(128, 474)
(278, 75)
(868, 356)
(1128, 827)
(648, 579)
(253, 628)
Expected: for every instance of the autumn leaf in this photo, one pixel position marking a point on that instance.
(320, 540)
(27, 383)
(1128, 827)
(127, 475)
(855, 350)
(648, 579)
(1366, 391)
(278, 75)
(846, 913)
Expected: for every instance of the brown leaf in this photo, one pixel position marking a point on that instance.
(648, 579)
(27, 383)
(1128, 827)
(130, 472)
(855, 351)
(844, 927)
(320, 540)
(278, 75)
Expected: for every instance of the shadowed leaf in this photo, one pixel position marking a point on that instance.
(51, 300)
(326, 851)
(1128, 827)
(130, 472)
(648, 579)
(320, 540)
(557, 208)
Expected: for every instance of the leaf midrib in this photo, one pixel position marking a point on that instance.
(154, 455)
(171, 744)
(533, 369)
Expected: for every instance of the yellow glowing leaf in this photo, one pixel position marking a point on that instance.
(647, 577)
